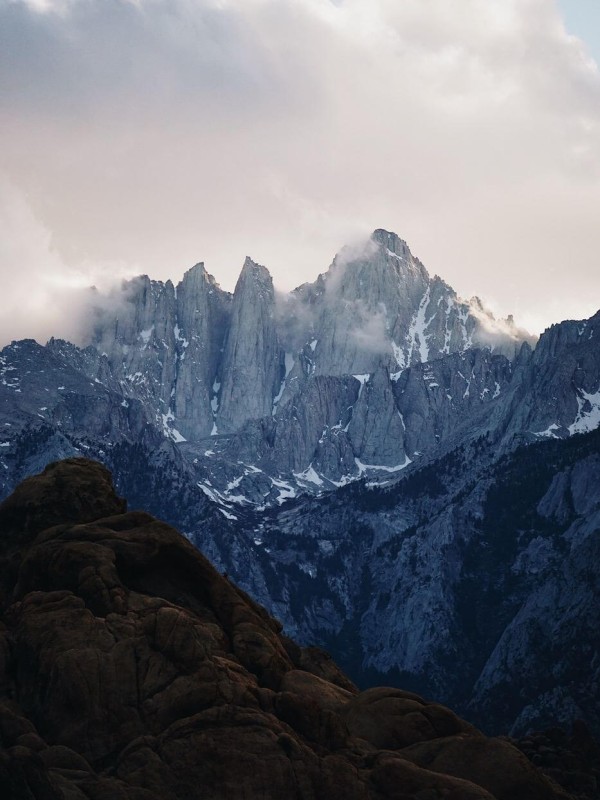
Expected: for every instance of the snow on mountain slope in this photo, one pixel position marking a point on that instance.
(351, 486)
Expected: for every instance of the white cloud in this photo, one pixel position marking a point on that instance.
(162, 133)
(41, 295)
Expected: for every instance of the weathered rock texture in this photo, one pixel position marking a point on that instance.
(130, 668)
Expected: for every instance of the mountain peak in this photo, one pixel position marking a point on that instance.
(255, 273)
(197, 269)
(198, 275)
(391, 241)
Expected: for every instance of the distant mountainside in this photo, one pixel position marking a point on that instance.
(393, 473)
(131, 669)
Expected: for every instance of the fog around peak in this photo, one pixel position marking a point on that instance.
(144, 136)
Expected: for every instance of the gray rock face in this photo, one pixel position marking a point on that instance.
(164, 347)
(203, 311)
(557, 624)
(311, 384)
(252, 363)
(377, 305)
(565, 370)
(468, 577)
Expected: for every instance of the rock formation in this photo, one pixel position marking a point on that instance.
(130, 668)
(209, 365)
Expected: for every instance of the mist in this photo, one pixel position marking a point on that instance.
(147, 136)
(42, 296)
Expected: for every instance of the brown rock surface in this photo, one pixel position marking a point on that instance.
(572, 760)
(131, 670)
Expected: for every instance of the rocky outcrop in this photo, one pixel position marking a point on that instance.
(571, 759)
(559, 387)
(130, 668)
(252, 365)
(202, 316)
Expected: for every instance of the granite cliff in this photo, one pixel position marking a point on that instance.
(276, 381)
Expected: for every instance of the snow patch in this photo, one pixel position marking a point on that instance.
(588, 412)
(447, 328)
(400, 361)
(362, 468)
(286, 492)
(250, 467)
(169, 431)
(233, 484)
(362, 379)
(309, 475)
(391, 254)
(145, 335)
(210, 493)
(549, 432)
(179, 337)
(417, 340)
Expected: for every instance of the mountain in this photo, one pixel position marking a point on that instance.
(130, 668)
(477, 585)
(390, 471)
(298, 388)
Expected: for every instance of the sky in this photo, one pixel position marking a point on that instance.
(143, 136)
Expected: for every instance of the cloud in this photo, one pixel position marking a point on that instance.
(41, 295)
(371, 332)
(493, 331)
(160, 133)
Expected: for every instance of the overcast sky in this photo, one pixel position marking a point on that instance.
(146, 135)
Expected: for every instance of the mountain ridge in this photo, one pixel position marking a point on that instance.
(297, 504)
(235, 359)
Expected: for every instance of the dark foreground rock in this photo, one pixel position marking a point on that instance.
(131, 670)
(571, 759)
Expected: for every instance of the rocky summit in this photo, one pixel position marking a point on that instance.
(131, 669)
(300, 388)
